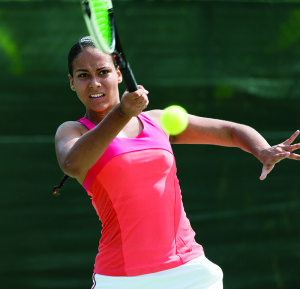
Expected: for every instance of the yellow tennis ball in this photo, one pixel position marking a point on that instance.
(174, 119)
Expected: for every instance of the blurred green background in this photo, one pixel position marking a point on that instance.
(233, 60)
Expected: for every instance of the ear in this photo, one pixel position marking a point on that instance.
(72, 82)
(120, 77)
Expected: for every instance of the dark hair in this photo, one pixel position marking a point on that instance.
(56, 189)
(78, 47)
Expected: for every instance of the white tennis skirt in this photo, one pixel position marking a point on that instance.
(199, 273)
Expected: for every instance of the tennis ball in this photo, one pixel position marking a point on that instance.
(174, 119)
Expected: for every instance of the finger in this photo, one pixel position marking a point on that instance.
(142, 96)
(136, 95)
(267, 168)
(293, 147)
(265, 171)
(293, 156)
(143, 89)
(143, 100)
(263, 175)
(277, 157)
(281, 156)
(292, 138)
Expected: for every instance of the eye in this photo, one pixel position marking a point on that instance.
(82, 75)
(103, 72)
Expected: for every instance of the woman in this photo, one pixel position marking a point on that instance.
(125, 162)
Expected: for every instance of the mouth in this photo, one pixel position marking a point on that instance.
(97, 95)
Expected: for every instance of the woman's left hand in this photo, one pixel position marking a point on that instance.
(271, 156)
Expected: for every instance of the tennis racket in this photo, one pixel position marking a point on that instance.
(98, 16)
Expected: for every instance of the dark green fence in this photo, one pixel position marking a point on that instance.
(234, 60)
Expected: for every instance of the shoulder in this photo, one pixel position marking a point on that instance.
(154, 115)
(70, 128)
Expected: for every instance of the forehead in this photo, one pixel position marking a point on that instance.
(92, 57)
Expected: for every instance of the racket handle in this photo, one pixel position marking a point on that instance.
(129, 78)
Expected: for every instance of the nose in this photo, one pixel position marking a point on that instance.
(94, 82)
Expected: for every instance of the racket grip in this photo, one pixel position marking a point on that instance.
(129, 78)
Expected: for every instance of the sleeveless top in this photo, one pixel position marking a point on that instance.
(135, 192)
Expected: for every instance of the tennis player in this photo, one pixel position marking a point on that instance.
(124, 160)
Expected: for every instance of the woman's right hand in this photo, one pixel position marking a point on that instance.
(133, 103)
(77, 150)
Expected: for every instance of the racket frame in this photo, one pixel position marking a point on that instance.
(115, 45)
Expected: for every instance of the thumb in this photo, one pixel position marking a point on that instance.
(265, 170)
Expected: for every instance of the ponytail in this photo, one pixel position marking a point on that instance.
(57, 188)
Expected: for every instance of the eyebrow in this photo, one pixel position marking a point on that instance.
(86, 70)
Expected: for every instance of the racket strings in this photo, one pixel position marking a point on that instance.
(102, 19)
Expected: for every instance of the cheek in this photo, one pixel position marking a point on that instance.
(111, 81)
(80, 84)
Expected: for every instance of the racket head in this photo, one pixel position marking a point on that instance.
(98, 16)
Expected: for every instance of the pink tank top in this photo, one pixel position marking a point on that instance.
(136, 194)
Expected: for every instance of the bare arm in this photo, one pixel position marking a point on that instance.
(77, 150)
(224, 133)
(202, 130)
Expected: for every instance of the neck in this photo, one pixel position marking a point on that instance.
(95, 117)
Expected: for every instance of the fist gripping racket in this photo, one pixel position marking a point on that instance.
(98, 16)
